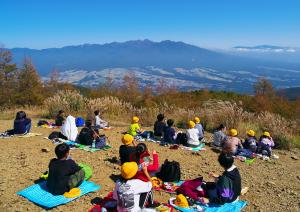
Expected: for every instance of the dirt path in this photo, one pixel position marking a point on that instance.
(274, 185)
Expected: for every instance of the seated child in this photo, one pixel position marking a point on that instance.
(132, 194)
(142, 157)
(265, 144)
(159, 126)
(199, 127)
(99, 123)
(227, 187)
(69, 129)
(60, 118)
(169, 133)
(22, 124)
(126, 150)
(233, 144)
(134, 128)
(87, 134)
(64, 173)
(192, 135)
(250, 142)
(219, 136)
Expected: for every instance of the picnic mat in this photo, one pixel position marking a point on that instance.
(38, 194)
(87, 148)
(235, 206)
(28, 135)
(195, 149)
(4, 135)
(169, 187)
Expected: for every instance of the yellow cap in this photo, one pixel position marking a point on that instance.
(197, 120)
(191, 124)
(129, 170)
(233, 132)
(251, 133)
(267, 134)
(135, 119)
(127, 139)
(181, 201)
(74, 192)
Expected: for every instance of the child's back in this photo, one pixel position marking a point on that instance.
(159, 127)
(59, 175)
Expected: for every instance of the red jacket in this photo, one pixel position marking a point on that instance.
(151, 167)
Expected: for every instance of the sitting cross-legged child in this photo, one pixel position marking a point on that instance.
(127, 149)
(132, 194)
(134, 128)
(192, 135)
(169, 133)
(199, 127)
(225, 188)
(265, 144)
(64, 173)
(250, 142)
(219, 137)
(87, 134)
(159, 126)
(233, 144)
(142, 157)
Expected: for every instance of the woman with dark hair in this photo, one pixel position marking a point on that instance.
(219, 136)
(100, 123)
(22, 124)
(60, 118)
(159, 126)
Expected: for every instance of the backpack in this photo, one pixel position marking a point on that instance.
(181, 139)
(169, 172)
(101, 142)
(54, 135)
(79, 122)
(42, 122)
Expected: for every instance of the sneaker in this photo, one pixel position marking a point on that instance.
(275, 156)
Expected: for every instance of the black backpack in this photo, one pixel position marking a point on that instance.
(181, 139)
(169, 172)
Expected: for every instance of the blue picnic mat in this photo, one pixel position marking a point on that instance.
(38, 194)
(227, 207)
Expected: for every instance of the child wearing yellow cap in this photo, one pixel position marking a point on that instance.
(132, 194)
(192, 135)
(265, 144)
(233, 144)
(127, 149)
(199, 127)
(134, 128)
(250, 142)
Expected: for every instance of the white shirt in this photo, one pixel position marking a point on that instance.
(69, 128)
(100, 122)
(128, 194)
(192, 135)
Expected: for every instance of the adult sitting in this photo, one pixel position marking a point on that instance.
(87, 134)
(219, 136)
(22, 124)
(69, 129)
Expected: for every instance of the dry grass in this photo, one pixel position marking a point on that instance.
(212, 113)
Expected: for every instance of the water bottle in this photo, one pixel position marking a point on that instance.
(94, 144)
(148, 136)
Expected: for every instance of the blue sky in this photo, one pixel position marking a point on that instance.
(206, 23)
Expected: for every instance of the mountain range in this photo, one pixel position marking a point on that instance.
(183, 65)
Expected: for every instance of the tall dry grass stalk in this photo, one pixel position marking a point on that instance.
(213, 112)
